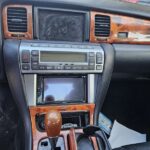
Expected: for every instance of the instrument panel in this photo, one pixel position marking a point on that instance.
(73, 25)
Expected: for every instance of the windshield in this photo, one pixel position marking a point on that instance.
(142, 2)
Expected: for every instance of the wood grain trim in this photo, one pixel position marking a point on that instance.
(138, 29)
(37, 135)
(21, 35)
(72, 140)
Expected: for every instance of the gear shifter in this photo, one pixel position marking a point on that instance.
(53, 123)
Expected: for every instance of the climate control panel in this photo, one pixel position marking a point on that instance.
(57, 57)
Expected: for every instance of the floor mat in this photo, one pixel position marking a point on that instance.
(122, 136)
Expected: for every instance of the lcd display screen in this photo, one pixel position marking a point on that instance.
(61, 25)
(64, 90)
(62, 57)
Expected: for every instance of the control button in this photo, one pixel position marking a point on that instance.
(91, 54)
(92, 67)
(42, 67)
(59, 67)
(79, 67)
(98, 54)
(67, 67)
(99, 67)
(99, 60)
(25, 56)
(35, 67)
(35, 63)
(92, 59)
(85, 67)
(35, 52)
(91, 64)
(123, 35)
(49, 67)
(74, 67)
(35, 59)
(25, 66)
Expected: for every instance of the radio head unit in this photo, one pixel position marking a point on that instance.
(46, 57)
(61, 89)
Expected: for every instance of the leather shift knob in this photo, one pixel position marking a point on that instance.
(53, 123)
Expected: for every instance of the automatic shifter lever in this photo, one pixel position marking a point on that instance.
(53, 123)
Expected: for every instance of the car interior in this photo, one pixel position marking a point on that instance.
(74, 74)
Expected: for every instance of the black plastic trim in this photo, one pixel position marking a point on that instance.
(111, 6)
(132, 58)
(86, 23)
(12, 69)
(104, 79)
(2, 73)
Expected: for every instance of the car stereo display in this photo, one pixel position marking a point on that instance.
(61, 25)
(64, 90)
(46, 56)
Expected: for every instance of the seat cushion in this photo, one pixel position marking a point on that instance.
(141, 146)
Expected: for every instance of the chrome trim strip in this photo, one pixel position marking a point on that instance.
(91, 88)
(30, 81)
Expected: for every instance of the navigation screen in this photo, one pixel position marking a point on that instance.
(64, 90)
(61, 25)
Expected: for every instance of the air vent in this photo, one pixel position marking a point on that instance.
(17, 19)
(102, 25)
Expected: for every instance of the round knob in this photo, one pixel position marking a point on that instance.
(53, 123)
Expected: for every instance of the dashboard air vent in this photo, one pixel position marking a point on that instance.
(102, 25)
(17, 19)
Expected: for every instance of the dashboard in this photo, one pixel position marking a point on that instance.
(62, 55)
(77, 23)
(56, 24)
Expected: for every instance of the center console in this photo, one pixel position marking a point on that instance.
(67, 77)
(60, 76)
(60, 73)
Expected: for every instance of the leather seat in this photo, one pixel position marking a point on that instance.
(141, 146)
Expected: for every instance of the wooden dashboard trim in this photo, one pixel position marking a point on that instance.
(34, 110)
(138, 29)
(21, 35)
(72, 140)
